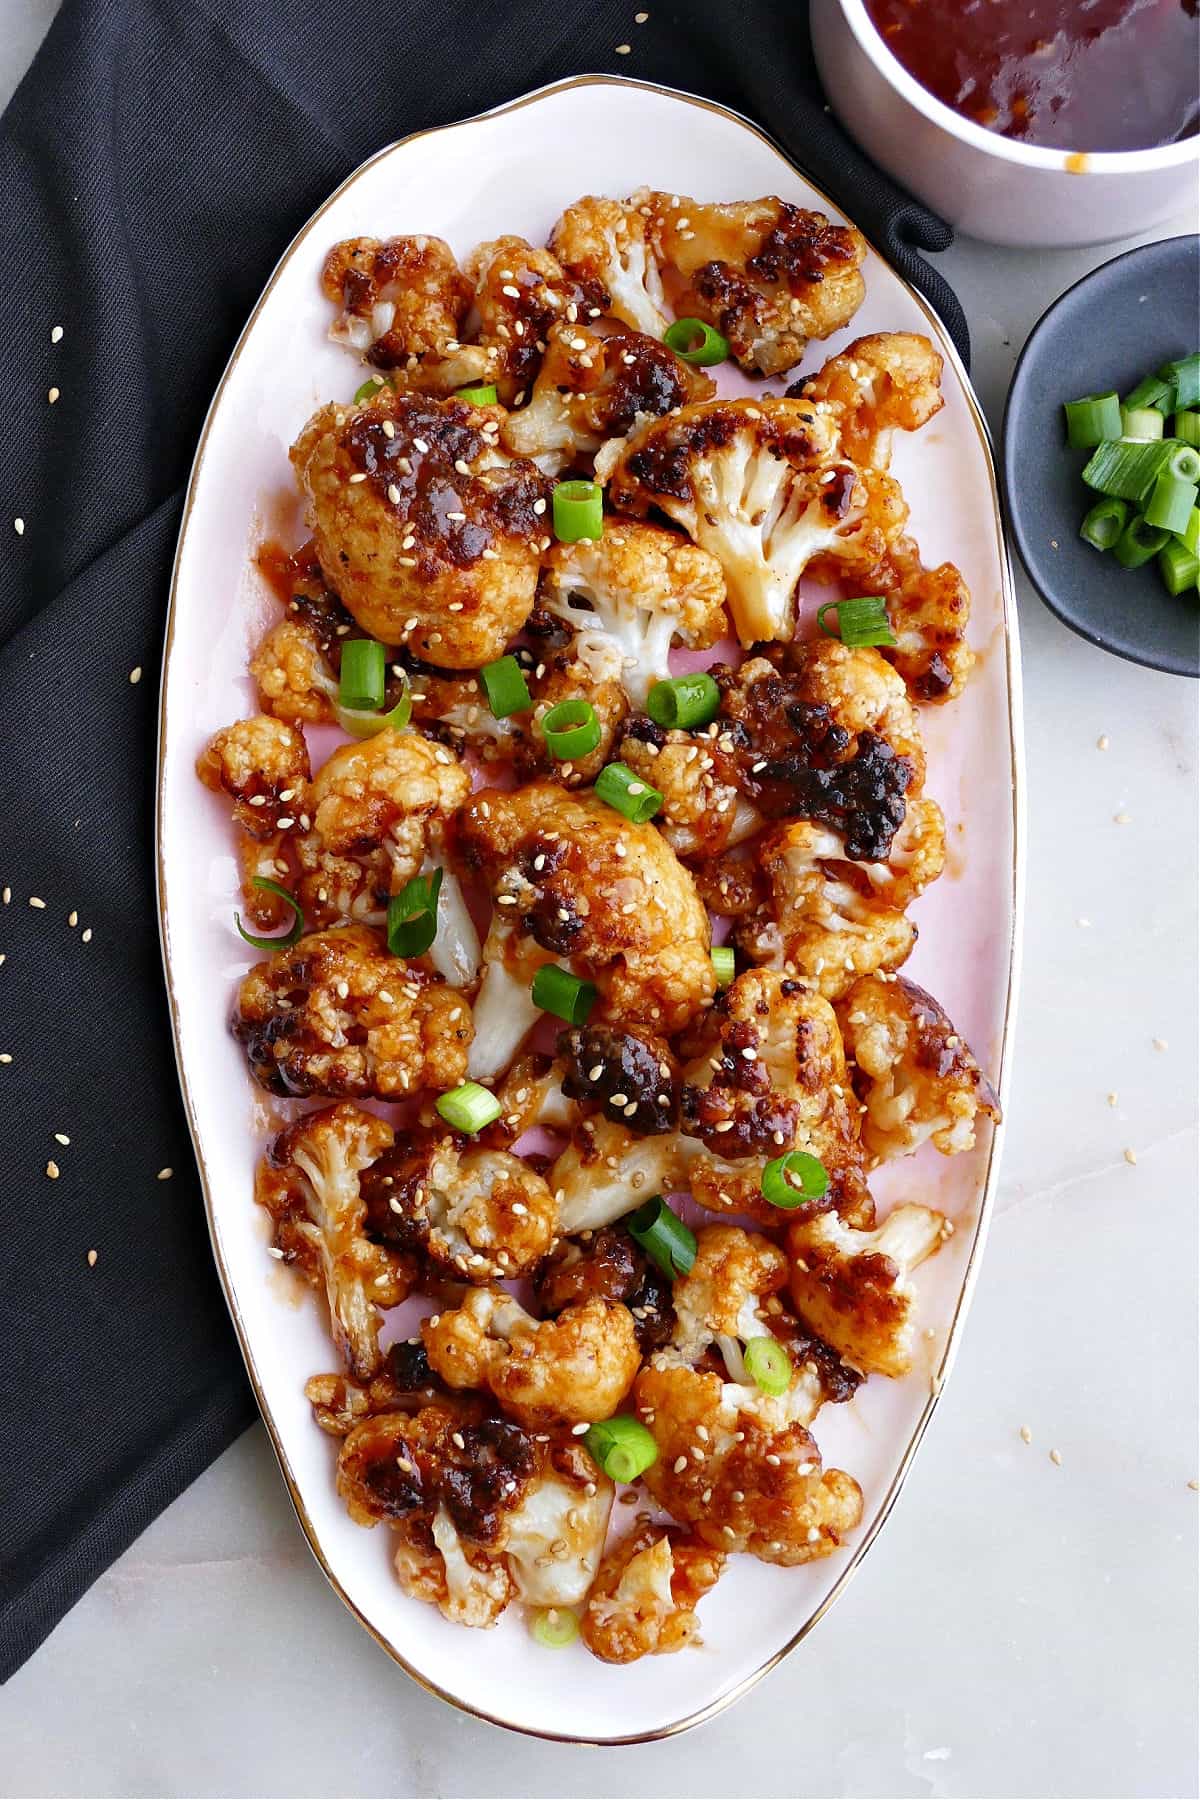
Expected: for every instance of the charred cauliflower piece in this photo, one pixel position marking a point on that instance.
(703, 813)
(605, 1171)
(644, 589)
(479, 1215)
(591, 387)
(483, 1512)
(310, 1183)
(606, 243)
(608, 1265)
(335, 1015)
(768, 1075)
(767, 274)
(401, 300)
(262, 764)
(631, 1075)
(429, 531)
(569, 1369)
(762, 486)
(929, 610)
(916, 1075)
(296, 665)
(520, 293)
(644, 1598)
(404, 1383)
(584, 886)
(853, 1287)
(889, 381)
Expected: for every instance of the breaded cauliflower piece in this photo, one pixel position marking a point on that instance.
(404, 1383)
(294, 680)
(768, 1075)
(606, 242)
(644, 1598)
(478, 1215)
(643, 588)
(262, 764)
(854, 1288)
(735, 1467)
(483, 1512)
(520, 293)
(890, 380)
(605, 1171)
(762, 486)
(767, 274)
(590, 668)
(929, 610)
(429, 532)
(824, 919)
(335, 1015)
(591, 387)
(608, 1265)
(703, 813)
(589, 888)
(569, 1369)
(310, 1181)
(400, 299)
(631, 1076)
(917, 1076)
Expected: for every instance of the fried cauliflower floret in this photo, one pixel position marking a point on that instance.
(588, 888)
(483, 1512)
(478, 1215)
(918, 1078)
(294, 681)
(606, 242)
(605, 1171)
(590, 668)
(401, 299)
(262, 764)
(429, 531)
(853, 1287)
(929, 610)
(757, 1485)
(644, 1598)
(591, 387)
(823, 918)
(310, 1183)
(768, 1075)
(404, 1383)
(891, 380)
(761, 485)
(631, 1075)
(572, 1368)
(608, 1265)
(335, 1015)
(703, 813)
(520, 293)
(643, 588)
(767, 274)
(530, 1095)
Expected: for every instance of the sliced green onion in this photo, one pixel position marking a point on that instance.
(571, 729)
(1171, 503)
(1184, 377)
(483, 394)
(622, 1447)
(663, 1235)
(1182, 461)
(724, 962)
(1186, 427)
(627, 793)
(768, 1365)
(578, 511)
(289, 937)
(559, 992)
(1104, 523)
(860, 622)
(788, 1181)
(1189, 537)
(1124, 470)
(1139, 542)
(1153, 391)
(696, 343)
(367, 724)
(684, 702)
(1092, 420)
(554, 1627)
(363, 679)
(370, 386)
(1142, 422)
(412, 915)
(505, 686)
(1178, 566)
(469, 1107)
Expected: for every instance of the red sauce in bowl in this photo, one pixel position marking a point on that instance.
(1069, 74)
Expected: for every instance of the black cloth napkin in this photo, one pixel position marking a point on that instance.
(155, 162)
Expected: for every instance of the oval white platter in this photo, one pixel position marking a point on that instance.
(513, 171)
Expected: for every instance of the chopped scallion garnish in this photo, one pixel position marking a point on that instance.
(1186, 427)
(768, 1365)
(565, 995)
(412, 915)
(1104, 523)
(290, 936)
(696, 343)
(622, 1447)
(1125, 471)
(1153, 391)
(724, 962)
(367, 724)
(483, 394)
(1139, 542)
(505, 686)
(788, 1181)
(685, 702)
(571, 729)
(1178, 566)
(1184, 377)
(370, 386)
(860, 622)
(554, 1627)
(1190, 535)
(1171, 502)
(363, 679)
(469, 1107)
(663, 1235)
(1182, 461)
(627, 793)
(1145, 423)
(1092, 420)
(578, 511)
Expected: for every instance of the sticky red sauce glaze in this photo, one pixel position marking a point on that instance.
(1080, 75)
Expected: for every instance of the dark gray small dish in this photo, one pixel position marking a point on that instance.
(1120, 323)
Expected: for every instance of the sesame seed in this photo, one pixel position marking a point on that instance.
(355, 479)
(814, 1536)
(773, 1460)
(5, 1057)
(463, 466)
(1160, 1043)
(539, 506)
(52, 396)
(1026, 1435)
(580, 1429)
(6, 896)
(640, 18)
(456, 1438)
(92, 1258)
(56, 334)
(680, 1464)
(1056, 1458)
(1122, 818)
(389, 430)
(1130, 1157)
(393, 495)
(38, 905)
(19, 527)
(623, 49)
(729, 1531)
(1102, 742)
(1112, 1099)
(342, 990)
(52, 1169)
(60, 1137)
(421, 445)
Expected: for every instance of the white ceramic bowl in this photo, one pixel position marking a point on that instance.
(980, 182)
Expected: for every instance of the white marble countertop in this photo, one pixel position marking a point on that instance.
(1023, 1628)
